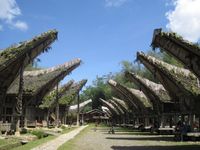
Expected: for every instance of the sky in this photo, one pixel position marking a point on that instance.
(100, 32)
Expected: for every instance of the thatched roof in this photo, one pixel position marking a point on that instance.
(155, 88)
(179, 82)
(156, 93)
(11, 58)
(121, 103)
(41, 83)
(176, 39)
(69, 96)
(134, 95)
(50, 99)
(141, 97)
(73, 108)
(107, 111)
(117, 106)
(188, 53)
(110, 106)
(123, 93)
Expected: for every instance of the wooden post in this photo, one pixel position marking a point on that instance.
(18, 107)
(162, 121)
(2, 100)
(25, 118)
(199, 122)
(57, 107)
(146, 121)
(48, 114)
(78, 111)
(82, 118)
(191, 121)
(66, 114)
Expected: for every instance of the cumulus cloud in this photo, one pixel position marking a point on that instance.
(114, 3)
(185, 19)
(9, 10)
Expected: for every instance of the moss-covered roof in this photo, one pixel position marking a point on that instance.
(11, 59)
(110, 106)
(50, 99)
(121, 103)
(69, 96)
(137, 96)
(174, 37)
(35, 81)
(141, 97)
(120, 89)
(10, 54)
(150, 87)
(183, 78)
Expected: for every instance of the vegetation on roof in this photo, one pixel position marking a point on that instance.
(65, 95)
(141, 97)
(69, 97)
(179, 75)
(150, 86)
(36, 80)
(137, 97)
(17, 50)
(49, 100)
(179, 39)
(33, 83)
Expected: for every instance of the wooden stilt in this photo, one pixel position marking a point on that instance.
(78, 111)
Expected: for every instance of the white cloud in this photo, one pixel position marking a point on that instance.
(185, 19)
(21, 25)
(114, 3)
(9, 10)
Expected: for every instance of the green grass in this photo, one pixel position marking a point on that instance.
(69, 145)
(7, 141)
(37, 142)
(66, 130)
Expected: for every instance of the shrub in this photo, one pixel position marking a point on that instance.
(40, 134)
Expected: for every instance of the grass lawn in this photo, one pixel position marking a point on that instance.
(37, 142)
(70, 144)
(6, 142)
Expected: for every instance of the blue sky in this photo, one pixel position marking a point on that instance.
(100, 32)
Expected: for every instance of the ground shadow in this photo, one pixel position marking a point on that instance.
(142, 138)
(134, 133)
(182, 147)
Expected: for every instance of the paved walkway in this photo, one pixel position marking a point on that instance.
(54, 144)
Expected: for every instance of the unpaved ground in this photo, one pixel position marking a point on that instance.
(101, 140)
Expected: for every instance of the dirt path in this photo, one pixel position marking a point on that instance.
(54, 144)
(101, 140)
